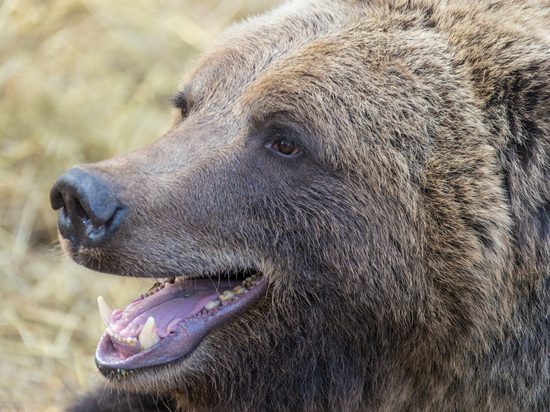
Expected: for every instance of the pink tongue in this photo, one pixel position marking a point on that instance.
(168, 306)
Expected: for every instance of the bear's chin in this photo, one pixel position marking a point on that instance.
(171, 320)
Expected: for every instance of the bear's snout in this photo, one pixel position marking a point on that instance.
(90, 212)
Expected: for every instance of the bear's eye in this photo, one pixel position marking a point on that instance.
(285, 148)
(181, 102)
(184, 112)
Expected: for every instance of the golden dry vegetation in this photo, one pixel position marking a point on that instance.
(80, 81)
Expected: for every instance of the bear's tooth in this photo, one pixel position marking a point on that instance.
(212, 304)
(179, 279)
(249, 282)
(227, 295)
(104, 310)
(167, 281)
(148, 336)
(239, 290)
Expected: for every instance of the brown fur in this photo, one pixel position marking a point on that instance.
(408, 248)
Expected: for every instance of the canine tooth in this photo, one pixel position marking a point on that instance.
(227, 295)
(148, 336)
(239, 290)
(104, 310)
(212, 304)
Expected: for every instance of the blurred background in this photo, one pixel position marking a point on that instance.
(80, 81)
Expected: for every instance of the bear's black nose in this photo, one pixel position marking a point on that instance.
(90, 213)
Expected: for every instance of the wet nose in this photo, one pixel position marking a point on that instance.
(89, 212)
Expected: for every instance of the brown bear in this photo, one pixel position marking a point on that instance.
(351, 213)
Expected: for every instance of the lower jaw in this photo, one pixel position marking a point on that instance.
(186, 336)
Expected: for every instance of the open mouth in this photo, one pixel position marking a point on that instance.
(171, 320)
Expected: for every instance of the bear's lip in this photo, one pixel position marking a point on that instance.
(181, 316)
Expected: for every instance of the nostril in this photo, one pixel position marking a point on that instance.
(80, 213)
(56, 199)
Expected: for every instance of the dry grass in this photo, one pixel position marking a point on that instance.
(80, 81)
